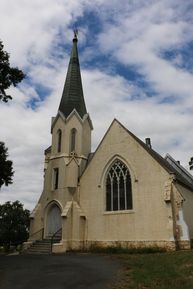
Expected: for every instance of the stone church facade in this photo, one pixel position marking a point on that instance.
(123, 194)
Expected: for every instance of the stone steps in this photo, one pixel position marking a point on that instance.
(39, 247)
(42, 246)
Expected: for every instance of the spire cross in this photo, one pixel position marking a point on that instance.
(75, 33)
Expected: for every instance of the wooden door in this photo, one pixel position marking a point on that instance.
(54, 222)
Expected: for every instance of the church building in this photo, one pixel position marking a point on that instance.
(124, 194)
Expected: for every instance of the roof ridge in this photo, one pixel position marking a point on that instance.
(161, 160)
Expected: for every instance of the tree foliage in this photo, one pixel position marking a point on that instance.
(14, 224)
(6, 169)
(8, 75)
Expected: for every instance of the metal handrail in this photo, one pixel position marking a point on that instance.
(35, 233)
(52, 238)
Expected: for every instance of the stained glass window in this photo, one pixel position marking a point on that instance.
(118, 188)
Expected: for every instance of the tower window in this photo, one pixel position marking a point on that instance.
(73, 140)
(59, 134)
(118, 188)
(55, 178)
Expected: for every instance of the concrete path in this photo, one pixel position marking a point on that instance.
(69, 271)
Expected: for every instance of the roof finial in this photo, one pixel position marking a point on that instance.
(75, 39)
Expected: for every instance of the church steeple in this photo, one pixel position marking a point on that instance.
(72, 96)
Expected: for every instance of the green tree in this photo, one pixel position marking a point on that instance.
(14, 224)
(6, 169)
(8, 75)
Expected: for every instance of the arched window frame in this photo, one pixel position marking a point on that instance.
(73, 135)
(59, 140)
(118, 187)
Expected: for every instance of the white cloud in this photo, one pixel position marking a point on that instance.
(134, 33)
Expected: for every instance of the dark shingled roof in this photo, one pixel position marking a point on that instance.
(72, 96)
(163, 162)
(48, 150)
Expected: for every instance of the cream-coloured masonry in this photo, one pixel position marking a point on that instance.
(83, 135)
(151, 218)
(70, 167)
(186, 208)
(159, 215)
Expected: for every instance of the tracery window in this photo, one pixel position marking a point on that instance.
(59, 140)
(118, 188)
(73, 140)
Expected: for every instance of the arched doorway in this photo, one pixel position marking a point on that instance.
(54, 221)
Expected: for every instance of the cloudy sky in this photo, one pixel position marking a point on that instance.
(137, 65)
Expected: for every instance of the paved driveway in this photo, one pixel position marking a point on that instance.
(69, 271)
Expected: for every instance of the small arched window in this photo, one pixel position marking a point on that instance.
(55, 178)
(118, 188)
(73, 140)
(59, 134)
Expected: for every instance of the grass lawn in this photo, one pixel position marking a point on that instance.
(172, 270)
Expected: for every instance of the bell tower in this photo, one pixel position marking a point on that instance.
(71, 129)
(58, 210)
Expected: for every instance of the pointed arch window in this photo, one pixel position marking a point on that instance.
(118, 188)
(59, 134)
(73, 140)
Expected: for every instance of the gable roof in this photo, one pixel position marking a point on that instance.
(179, 169)
(163, 162)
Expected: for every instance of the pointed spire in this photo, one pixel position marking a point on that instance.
(72, 96)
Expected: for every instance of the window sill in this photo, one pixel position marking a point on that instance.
(119, 212)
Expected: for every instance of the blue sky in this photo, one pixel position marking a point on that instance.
(137, 65)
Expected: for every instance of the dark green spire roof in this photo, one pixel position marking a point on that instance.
(72, 96)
